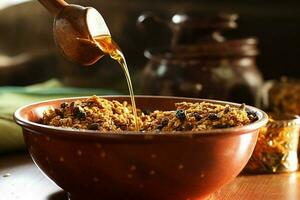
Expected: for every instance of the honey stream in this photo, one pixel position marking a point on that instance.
(108, 46)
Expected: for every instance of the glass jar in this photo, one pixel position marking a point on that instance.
(282, 96)
(276, 147)
(208, 66)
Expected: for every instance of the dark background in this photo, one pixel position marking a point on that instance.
(26, 29)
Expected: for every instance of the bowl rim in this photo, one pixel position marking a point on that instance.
(76, 133)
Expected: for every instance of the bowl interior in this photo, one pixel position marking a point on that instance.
(29, 116)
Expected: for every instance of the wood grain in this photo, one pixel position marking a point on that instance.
(26, 182)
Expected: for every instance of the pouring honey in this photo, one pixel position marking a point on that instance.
(107, 45)
(83, 36)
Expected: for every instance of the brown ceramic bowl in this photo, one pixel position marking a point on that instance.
(180, 166)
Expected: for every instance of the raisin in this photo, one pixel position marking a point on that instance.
(180, 114)
(159, 127)
(188, 127)
(252, 115)
(197, 116)
(226, 109)
(64, 105)
(250, 112)
(146, 112)
(59, 112)
(213, 116)
(79, 112)
(242, 106)
(93, 126)
(163, 123)
(180, 128)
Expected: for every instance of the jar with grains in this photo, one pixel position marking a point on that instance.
(200, 62)
(282, 96)
(276, 148)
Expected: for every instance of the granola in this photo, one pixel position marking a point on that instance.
(97, 113)
(284, 96)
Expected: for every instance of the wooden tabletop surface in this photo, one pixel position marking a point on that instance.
(20, 179)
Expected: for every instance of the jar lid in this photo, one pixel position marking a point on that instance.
(229, 48)
(202, 36)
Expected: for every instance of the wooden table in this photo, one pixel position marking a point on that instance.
(20, 179)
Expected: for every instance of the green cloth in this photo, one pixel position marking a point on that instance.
(11, 98)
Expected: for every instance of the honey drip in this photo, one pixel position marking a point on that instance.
(108, 46)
